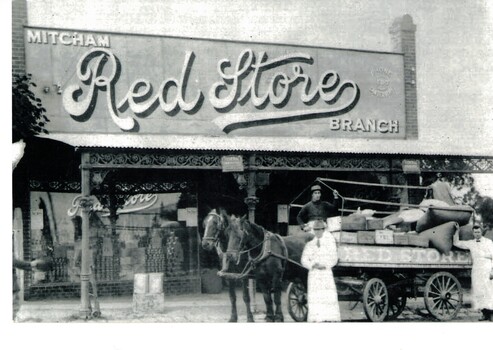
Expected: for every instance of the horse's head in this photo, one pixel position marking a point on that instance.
(235, 236)
(214, 225)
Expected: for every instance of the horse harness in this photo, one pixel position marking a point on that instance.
(215, 240)
(265, 253)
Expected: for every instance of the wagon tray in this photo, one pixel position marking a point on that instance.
(354, 255)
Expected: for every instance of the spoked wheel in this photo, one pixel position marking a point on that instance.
(443, 296)
(375, 300)
(397, 303)
(297, 301)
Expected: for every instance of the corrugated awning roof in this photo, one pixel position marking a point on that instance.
(441, 146)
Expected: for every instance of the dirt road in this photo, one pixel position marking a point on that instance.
(209, 308)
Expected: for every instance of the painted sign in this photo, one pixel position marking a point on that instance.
(402, 256)
(134, 203)
(164, 85)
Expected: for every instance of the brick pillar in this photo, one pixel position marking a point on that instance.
(19, 20)
(404, 40)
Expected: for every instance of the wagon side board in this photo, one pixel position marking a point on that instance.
(352, 255)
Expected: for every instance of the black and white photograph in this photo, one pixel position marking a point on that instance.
(324, 164)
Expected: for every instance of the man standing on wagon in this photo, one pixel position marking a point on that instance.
(317, 209)
(481, 249)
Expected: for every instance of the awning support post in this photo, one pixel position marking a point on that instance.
(86, 204)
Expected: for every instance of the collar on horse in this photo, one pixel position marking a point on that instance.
(264, 254)
(267, 249)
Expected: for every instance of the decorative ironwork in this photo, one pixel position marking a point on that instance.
(154, 160)
(54, 186)
(265, 162)
(251, 202)
(119, 187)
(459, 164)
(285, 162)
(146, 187)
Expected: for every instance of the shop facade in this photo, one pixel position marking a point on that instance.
(148, 133)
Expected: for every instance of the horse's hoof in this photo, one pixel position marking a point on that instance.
(250, 319)
(232, 319)
(269, 319)
(279, 319)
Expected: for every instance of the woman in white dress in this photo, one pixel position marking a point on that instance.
(319, 256)
(481, 249)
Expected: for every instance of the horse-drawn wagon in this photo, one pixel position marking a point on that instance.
(379, 262)
(383, 277)
(383, 273)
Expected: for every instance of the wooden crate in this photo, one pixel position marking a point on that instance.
(366, 237)
(353, 223)
(401, 239)
(384, 237)
(349, 237)
(419, 241)
(374, 224)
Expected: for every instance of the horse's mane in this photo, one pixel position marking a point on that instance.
(256, 230)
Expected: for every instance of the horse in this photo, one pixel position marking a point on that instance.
(215, 225)
(272, 258)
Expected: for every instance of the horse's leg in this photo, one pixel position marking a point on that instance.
(277, 300)
(232, 298)
(269, 317)
(266, 292)
(277, 289)
(246, 299)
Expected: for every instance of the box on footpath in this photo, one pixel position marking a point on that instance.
(148, 292)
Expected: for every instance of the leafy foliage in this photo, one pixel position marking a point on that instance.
(28, 114)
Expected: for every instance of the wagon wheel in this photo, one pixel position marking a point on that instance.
(375, 300)
(297, 301)
(397, 303)
(443, 296)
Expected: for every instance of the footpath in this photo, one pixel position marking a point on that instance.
(200, 308)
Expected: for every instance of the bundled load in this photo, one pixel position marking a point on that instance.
(432, 223)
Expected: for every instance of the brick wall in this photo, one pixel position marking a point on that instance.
(403, 33)
(172, 286)
(19, 19)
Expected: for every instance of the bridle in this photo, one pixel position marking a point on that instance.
(215, 239)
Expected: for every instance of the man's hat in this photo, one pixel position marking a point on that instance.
(316, 188)
(319, 225)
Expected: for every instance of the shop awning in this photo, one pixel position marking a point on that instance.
(444, 146)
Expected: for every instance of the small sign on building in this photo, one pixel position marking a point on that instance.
(231, 164)
(192, 217)
(411, 166)
(37, 219)
(282, 213)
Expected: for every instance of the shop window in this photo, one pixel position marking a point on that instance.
(152, 233)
